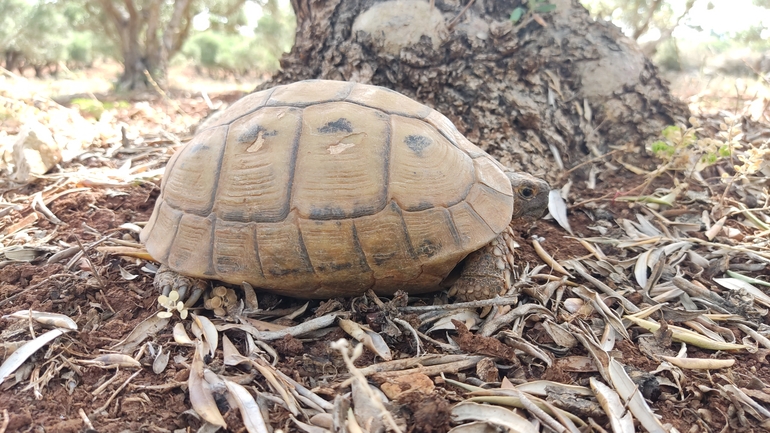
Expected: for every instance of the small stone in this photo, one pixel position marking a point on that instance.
(487, 371)
(34, 152)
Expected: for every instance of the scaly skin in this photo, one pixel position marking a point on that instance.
(167, 280)
(488, 272)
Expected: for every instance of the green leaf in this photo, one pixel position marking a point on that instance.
(668, 131)
(517, 14)
(724, 151)
(710, 158)
(662, 147)
(545, 7)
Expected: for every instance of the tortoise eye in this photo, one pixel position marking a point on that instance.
(527, 192)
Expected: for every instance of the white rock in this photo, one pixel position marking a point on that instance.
(34, 152)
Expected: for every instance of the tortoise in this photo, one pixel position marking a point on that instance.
(319, 189)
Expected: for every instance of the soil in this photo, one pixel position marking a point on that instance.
(55, 389)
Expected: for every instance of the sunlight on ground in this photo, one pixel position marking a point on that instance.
(707, 95)
(99, 81)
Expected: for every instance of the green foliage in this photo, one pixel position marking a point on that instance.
(534, 6)
(639, 17)
(275, 29)
(234, 53)
(95, 108)
(668, 56)
(230, 54)
(35, 33)
(80, 49)
(683, 148)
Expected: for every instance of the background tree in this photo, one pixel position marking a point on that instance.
(641, 18)
(551, 88)
(148, 33)
(32, 35)
(654, 25)
(227, 51)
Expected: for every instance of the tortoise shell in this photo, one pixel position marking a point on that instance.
(327, 188)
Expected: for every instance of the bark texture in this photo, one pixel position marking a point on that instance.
(547, 92)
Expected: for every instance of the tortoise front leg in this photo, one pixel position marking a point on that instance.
(487, 272)
(167, 280)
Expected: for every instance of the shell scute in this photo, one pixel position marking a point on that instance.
(342, 166)
(259, 165)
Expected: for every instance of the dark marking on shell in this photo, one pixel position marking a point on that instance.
(359, 211)
(228, 262)
(422, 205)
(336, 213)
(252, 133)
(334, 267)
(276, 271)
(339, 125)
(327, 213)
(417, 143)
(428, 248)
(380, 259)
(199, 147)
(236, 215)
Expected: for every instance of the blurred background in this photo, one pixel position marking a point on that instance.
(705, 48)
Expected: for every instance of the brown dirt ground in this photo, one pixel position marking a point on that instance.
(107, 308)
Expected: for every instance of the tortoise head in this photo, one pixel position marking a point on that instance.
(530, 196)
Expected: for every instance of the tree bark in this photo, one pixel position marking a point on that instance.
(550, 91)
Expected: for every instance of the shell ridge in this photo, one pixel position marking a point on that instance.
(150, 226)
(293, 169)
(170, 245)
(442, 132)
(303, 248)
(217, 174)
(409, 247)
(359, 249)
(256, 250)
(210, 268)
(453, 228)
(491, 192)
(387, 156)
(246, 113)
(270, 102)
(374, 107)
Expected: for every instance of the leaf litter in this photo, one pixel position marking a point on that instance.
(643, 309)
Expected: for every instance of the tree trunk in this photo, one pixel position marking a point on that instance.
(147, 38)
(549, 91)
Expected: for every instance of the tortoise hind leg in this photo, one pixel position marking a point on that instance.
(167, 280)
(486, 273)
